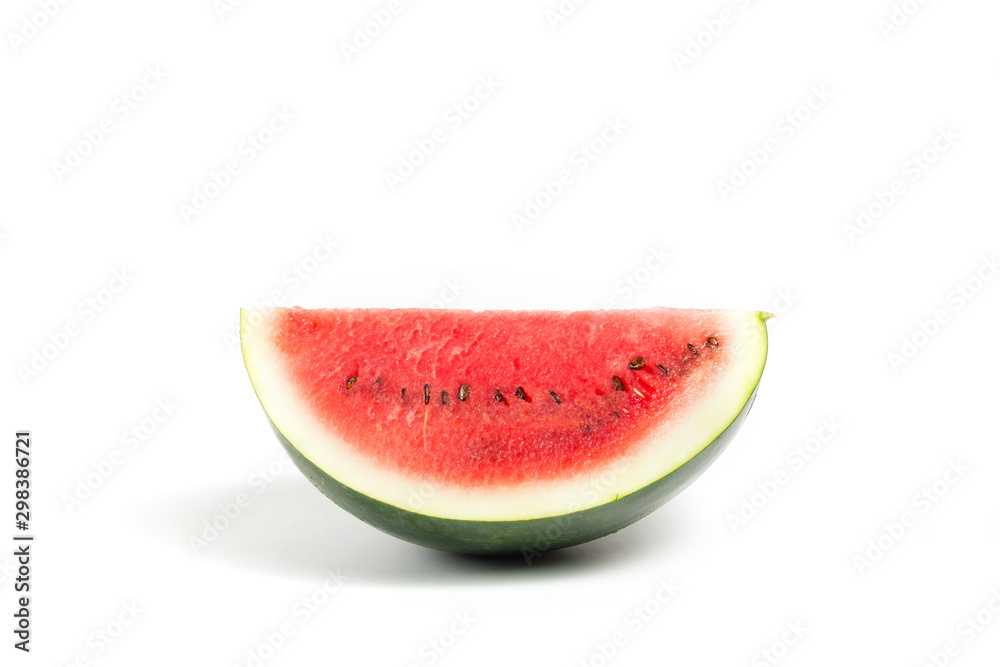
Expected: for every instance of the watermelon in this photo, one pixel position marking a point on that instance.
(499, 432)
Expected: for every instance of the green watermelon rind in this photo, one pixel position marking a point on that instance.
(529, 537)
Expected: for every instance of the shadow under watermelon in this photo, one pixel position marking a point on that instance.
(290, 529)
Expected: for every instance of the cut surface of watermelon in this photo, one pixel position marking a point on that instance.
(498, 417)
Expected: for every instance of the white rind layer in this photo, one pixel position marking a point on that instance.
(710, 405)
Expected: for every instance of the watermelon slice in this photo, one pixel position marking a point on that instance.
(503, 431)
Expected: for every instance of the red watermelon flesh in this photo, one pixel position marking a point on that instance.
(547, 395)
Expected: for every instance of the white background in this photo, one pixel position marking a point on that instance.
(781, 241)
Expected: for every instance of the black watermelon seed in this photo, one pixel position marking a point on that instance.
(713, 341)
(427, 394)
(637, 363)
(351, 380)
(617, 382)
(663, 368)
(402, 394)
(520, 394)
(463, 392)
(692, 349)
(497, 396)
(555, 397)
(444, 398)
